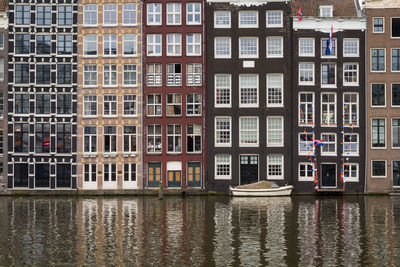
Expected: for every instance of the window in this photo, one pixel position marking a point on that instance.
(64, 44)
(174, 138)
(223, 129)
(43, 44)
(110, 75)
(350, 74)
(174, 16)
(89, 139)
(130, 105)
(350, 172)
(274, 131)
(248, 47)
(42, 138)
(130, 75)
(21, 73)
(275, 167)
(395, 95)
(90, 45)
(154, 105)
(193, 44)
(306, 146)
(130, 44)
(22, 43)
(328, 75)
(193, 142)
(154, 137)
(110, 105)
(248, 87)
(90, 172)
(130, 139)
(274, 19)
(129, 172)
(193, 13)
(42, 104)
(1, 69)
(90, 15)
(351, 47)
(43, 15)
(21, 137)
(350, 145)
(154, 75)
(274, 47)
(328, 109)
(110, 45)
(174, 104)
(248, 134)
(154, 13)
(110, 139)
(378, 133)
(64, 139)
(248, 19)
(395, 59)
(109, 14)
(378, 60)
(154, 45)
(64, 15)
(42, 175)
(43, 74)
(1, 113)
(306, 47)
(329, 144)
(378, 168)
(89, 105)
(306, 74)
(174, 74)
(222, 48)
(350, 109)
(64, 74)
(174, 44)
(64, 104)
(306, 109)
(378, 95)
(223, 166)
(129, 14)
(379, 25)
(193, 74)
(222, 19)
(324, 47)
(396, 133)
(193, 105)
(21, 171)
(21, 103)
(23, 15)
(326, 11)
(306, 172)
(110, 172)
(395, 27)
(274, 90)
(90, 75)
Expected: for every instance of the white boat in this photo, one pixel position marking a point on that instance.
(270, 192)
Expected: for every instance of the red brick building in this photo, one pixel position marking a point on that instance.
(174, 94)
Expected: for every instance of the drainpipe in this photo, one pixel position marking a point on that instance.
(141, 95)
(366, 102)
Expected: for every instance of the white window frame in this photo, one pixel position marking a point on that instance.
(328, 123)
(85, 42)
(130, 135)
(392, 135)
(348, 40)
(275, 86)
(194, 44)
(226, 119)
(110, 42)
(227, 89)
(174, 103)
(174, 78)
(326, 142)
(134, 71)
(193, 104)
(113, 11)
(274, 25)
(154, 105)
(306, 123)
(89, 99)
(241, 25)
(350, 107)
(391, 59)
(193, 13)
(154, 137)
(174, 41)
(281, 130)
(110, 72)
(269, 55)
(385, 133)
(112, 102)
(247, 143)
(88, 72)
(241, 55)
(307, 70)
(155, 14)
(131, 9)
(86, 13)
(174, 12)
(154, 44)
(194, 78)
(110, 136)
(229, 163)
(90, 135)
(133, 40)
(242, 87)
(306, 178)
(196, 133)
(351, 142)
(323, 8)
(311, 143)
(301, 54)
(384, 60)
(348, 178)
(153, 78)
(357, 71)
(132, 99)
(216, 16)
(372, 168)
(329, 85)
(176, 147)
(282, 166)
(373, 24)
(334, 44)
(229, 52)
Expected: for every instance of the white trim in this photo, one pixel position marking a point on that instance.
(219, 177)
(194, 22)
(351, 154)
(372, 147)
(306, 153)
(257, 131)
(90, 140)
(112, 12)
(282, 90)
(173, 13)
(372, 168)
(384, 91)
(89, 184)
(329, 85)
(370, 59)
(281, 48)
(253, 105)
(240, 47)
(258, 165)
(313, 73)
(330, 9)
(306, 55)
(280, 25)
(230, 91)
(215, 132)
(123, 11)
(358, 47)
(97, 15)
(329, 153)
(391, 59)
(352, 179)
(324, 24)
(276, 177)
(373, 24)
(335, 112)
(324, 40)
(248, 26)
(148, 23)
(110, 184)
(282, 129)
(215, 47)
(305, 178)
(392, 128)
(358, 74)
(215, 19)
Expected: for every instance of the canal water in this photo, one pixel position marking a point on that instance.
(200, 231)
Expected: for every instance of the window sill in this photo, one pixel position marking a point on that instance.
(194, 153)
(378, 177)
(275, 145)
(222, 178)
(89, 155)
(128, 56)
(306, 179)
(378, 148)
(129, 154)
(351, 84)
(351, 180)
(275, 178)
(154, 153)
(306, 84)
(110, 155)
(333, 86)
(90, 117)
(129, 25)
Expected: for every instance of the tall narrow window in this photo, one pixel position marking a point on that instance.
(324, 48)
(396, 133)
(129, 14)
(395, 59)
(64, 44)
(222, 90)
(90, 15)
(274, 19)
(328, 109)
(275, 47)
(90, 45)
(174, 104)
(110, 75)
(193, 142)
(110, 105)
(129, 172)
(306, 74)
(275, 131)
(223, 129)
(154, 45)
(21, 103)
(193, 44)
(174, 44)
(174, 74)
(275, 90)
(42, 105)
(378, 60)
(110, 15)
(110, 139)
(89, 139)
(193, 74)
(22, 14)
(154, 105)
(222, 19)
(43, 44)
(154, 138)
(90, 75)
(329, 147)
(42, 138)
(43, 74)
(275, 167)
(90, 172)
(193, 13)
(223, 166)
(22, 44)
(248, 47)
(174, 138)
(174, 16)
(193, 104)
(64, 74)
(21, 137)
(350, 74)
(130, 105)
(89, 105)
(222, 47)
(248, 134)
(350, 109)
(64, 15)
(43, 15)
(130, 139)
(154, 75)
(378, 25)
(64, 104)
(395, 95)
(306, 109)
(154, 11)
(21, 73)
(64, 138)
(248, 19)
(350, 145)
(328, 75)
(378, 96)
(110, 45)
(306, 146)
(378, 133)
(248, 88)
(130, 75)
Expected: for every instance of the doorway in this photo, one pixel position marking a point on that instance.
(328, 175)
(248, 169)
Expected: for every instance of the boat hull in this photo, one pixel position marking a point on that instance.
(273, 192)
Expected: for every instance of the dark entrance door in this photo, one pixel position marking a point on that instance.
(396, 173)
(154, 174)
(328, 175)
(194, 174)
(248, 169)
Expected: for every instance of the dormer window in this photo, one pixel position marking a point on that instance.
(326, 11)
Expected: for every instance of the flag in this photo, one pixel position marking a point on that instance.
(329, 43)
(318, 143)
(300, 15)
